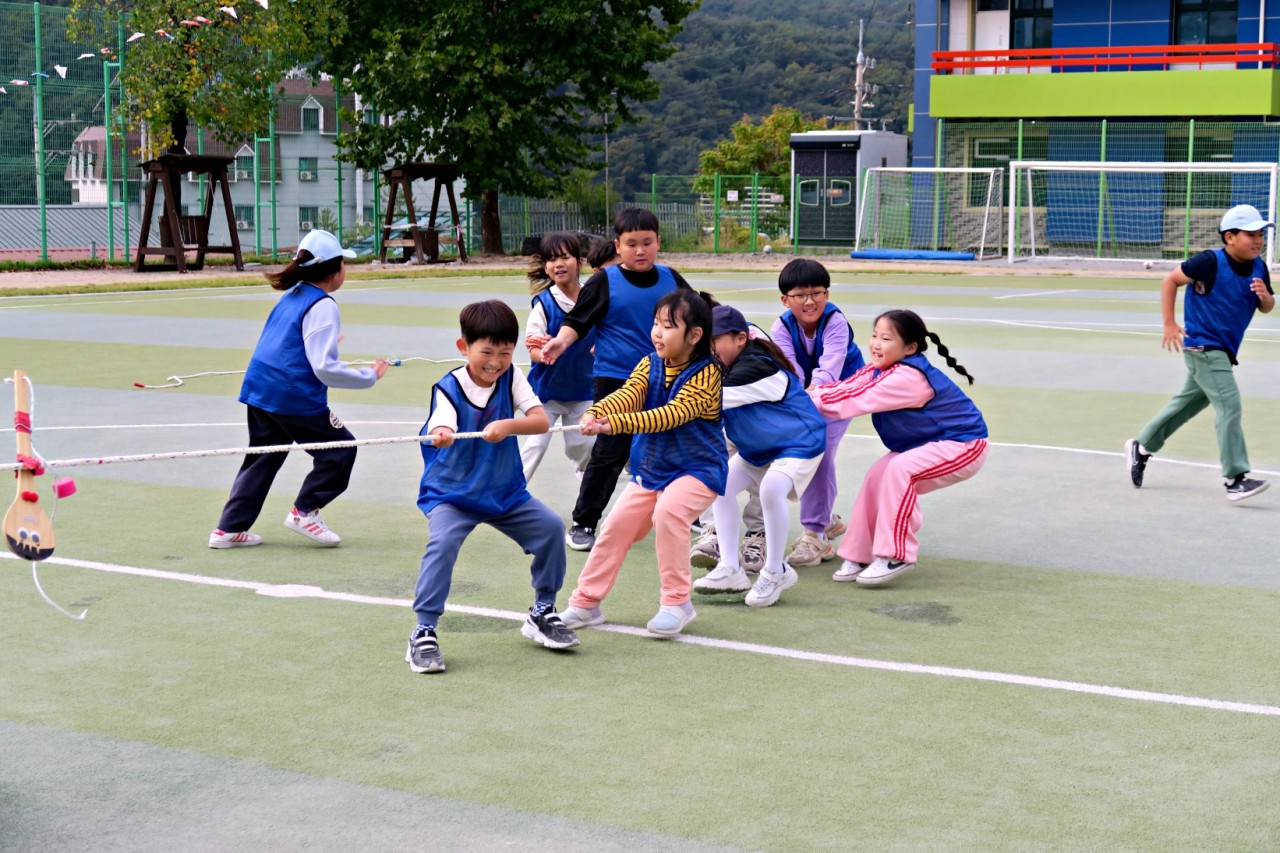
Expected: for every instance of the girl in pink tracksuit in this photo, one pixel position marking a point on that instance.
(935, 434)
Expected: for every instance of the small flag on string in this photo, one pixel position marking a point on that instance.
(85, 56)
(202, 19)
(3, 90)
(230, 10)
(62, 71)
(40, 74)
(163, 33)
(19, 83)
(190, 23)
(131, 38)
(105, 51)
(262, 3)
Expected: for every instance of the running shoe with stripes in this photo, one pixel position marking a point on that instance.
(548, 630)
(423, 654)
(312, 526)
(751, 557)
(220, 539)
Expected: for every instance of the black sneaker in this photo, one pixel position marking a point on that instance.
(1242, 487)
(580, 538)
(423, 654)
(547, 629)
(1136, 460)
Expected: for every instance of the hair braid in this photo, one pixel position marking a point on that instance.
(950, 359)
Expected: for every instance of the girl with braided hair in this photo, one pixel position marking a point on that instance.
(935, 434)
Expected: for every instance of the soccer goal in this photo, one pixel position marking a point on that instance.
(1130, 211)
(918, 209)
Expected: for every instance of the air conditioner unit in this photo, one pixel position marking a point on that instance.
(243, 225)
(242, 174)
(307, 226)
(306, 176)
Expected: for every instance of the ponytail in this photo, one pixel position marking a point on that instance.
(296, 272)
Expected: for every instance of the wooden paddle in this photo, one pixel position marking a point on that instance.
(26, 528)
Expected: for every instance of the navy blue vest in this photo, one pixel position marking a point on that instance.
(279, 378)
(852, 356)
(949, 416)
(472, 474)
(697, 448)
(1219, 317)
(626, 330)
(569, 379)
(764, 432)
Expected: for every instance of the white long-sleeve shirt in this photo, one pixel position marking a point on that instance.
(321, 328)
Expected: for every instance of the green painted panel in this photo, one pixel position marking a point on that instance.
(1211, 92)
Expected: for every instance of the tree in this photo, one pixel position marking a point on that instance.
(504, 89)
(219, 72)
(763, 148)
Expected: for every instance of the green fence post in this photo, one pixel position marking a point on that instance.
(755, 210)
(715, 213)
(257, 196)
(653, 193)
(106, 121)
(1186, 218)
(39, 123)
(200, 150)
(271, 158)
(1102, 187)
(337, 138)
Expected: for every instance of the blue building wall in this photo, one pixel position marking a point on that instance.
(1076, 23)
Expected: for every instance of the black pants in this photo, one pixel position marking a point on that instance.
(608, 458)
(330, 471)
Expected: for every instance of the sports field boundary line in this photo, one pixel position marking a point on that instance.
(987, 676)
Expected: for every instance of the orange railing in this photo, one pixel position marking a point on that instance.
(1141, 57)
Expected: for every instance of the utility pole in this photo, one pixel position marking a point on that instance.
(860, 88)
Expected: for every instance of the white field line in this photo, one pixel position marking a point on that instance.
(1040, 293)
(308, 591)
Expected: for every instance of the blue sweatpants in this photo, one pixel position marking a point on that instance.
(533, 526)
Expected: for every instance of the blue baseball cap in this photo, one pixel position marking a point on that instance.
(1244, 217)
(726, 319)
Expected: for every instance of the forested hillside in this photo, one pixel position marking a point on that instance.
(741, 57)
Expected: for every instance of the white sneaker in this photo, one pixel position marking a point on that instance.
(723, 579)
(311, 526)
(581, 617)
(218, 539)
(849, 571)
(882, 570)
(769, 586)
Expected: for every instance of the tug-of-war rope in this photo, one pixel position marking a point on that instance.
(178, 381)
(28, 530)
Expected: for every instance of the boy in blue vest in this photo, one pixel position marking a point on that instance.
(477, 481)
(1227, 286)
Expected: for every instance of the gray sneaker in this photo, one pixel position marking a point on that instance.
(809, 550)
(751, 557)
(770, 586)
(423, 654)
(706, 551)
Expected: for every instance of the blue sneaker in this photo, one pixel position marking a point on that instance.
(670, 620)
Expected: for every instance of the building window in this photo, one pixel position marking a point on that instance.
(307, 217)
(1205, 21)
(244, 217)
(368, 214)
(311, 116)
(244, 168)
(1032, 24)
(308, 168)
(992, 5)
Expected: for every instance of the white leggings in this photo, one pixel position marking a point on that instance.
(775, 487)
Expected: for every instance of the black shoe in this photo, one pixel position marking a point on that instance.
(423, 654)
(547, 629)
(1137, 461)
(580, 538)
(1242, 487)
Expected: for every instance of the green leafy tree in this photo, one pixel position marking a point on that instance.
(220, 75)
(763, 148)
(505, 89)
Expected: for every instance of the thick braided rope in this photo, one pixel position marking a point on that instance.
(247, 451)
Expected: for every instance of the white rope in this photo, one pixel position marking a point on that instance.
(248, 451)
(55, 605)
(178, 381)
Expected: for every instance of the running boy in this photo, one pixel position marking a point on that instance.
(474, 481)
(818, 340)
(286, 392)
(1227, 286)
(618, 303)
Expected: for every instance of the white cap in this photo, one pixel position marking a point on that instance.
(1244, 217)
(323, 246)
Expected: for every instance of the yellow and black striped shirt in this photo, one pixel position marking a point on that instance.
(698, 398)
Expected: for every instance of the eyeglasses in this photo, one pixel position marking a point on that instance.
(814, 296)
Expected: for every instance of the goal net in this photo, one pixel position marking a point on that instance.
(1130, 211)
(917, 209)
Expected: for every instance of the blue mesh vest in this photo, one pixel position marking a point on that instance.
(279, 378)
(624, 333)
(791, 427)
(696, 448)
(569, 379)
(1218, 316)
(473, 474)
(852, 356)
(949, 416)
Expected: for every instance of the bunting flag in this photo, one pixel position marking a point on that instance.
(86, 56)
(190, 23)
(3, 90)
(163, 33)
(131, 38)
(62, 71)
(19, 83)
(230, 10)
(262, 3)
(40, 74)
(202, 19)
